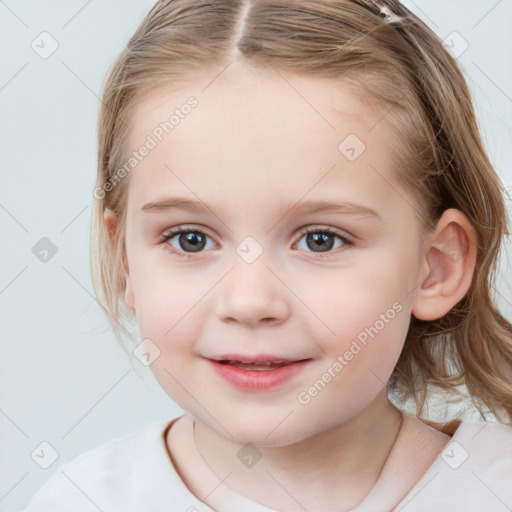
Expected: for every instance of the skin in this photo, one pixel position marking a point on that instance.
(252, 149)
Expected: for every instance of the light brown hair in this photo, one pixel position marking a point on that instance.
(400, 67)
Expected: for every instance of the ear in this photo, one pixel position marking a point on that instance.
(110, 220)
(449, 266)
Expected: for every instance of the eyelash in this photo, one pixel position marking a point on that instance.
(181, 230)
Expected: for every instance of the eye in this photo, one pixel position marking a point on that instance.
(322, 240)
(185, 241)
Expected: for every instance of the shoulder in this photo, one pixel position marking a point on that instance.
(478, 438)
(481, 452)
(478, 461)
(483, 443)
(489, 445)
(473, 472)
(97, 478)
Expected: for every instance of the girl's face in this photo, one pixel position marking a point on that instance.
(247, 167)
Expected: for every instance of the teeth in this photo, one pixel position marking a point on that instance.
(265, 365)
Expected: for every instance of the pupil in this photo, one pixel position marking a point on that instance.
(194, 240)
(319, 239)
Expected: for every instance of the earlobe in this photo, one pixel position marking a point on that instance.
(110, 220)
(449, 261)
(129, 297)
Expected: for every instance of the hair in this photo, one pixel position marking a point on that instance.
(396, 64)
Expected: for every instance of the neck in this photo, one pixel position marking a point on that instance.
(303, 472)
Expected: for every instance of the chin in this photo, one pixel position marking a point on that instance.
(259, 429)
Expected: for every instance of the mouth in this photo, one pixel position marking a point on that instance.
(256, 373)
(257, 362)
(258, 365)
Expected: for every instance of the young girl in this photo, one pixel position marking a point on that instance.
(294, 202)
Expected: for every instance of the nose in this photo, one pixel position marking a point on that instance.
(252, 295)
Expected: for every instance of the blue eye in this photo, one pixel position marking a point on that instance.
(189, 241)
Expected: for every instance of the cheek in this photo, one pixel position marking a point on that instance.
(168, 304)
(359, 360)
(170, 307)
(369, 315)
(360, 299)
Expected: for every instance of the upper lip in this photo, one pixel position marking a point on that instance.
(255, 358)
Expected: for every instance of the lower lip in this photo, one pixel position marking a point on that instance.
(257, 380)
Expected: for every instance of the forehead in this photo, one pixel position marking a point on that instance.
(247, 96)
(254, 131)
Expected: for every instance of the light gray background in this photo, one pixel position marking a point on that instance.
(63, 378)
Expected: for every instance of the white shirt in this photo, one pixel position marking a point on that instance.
(135, 473)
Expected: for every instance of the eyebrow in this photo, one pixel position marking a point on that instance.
(303, 208)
